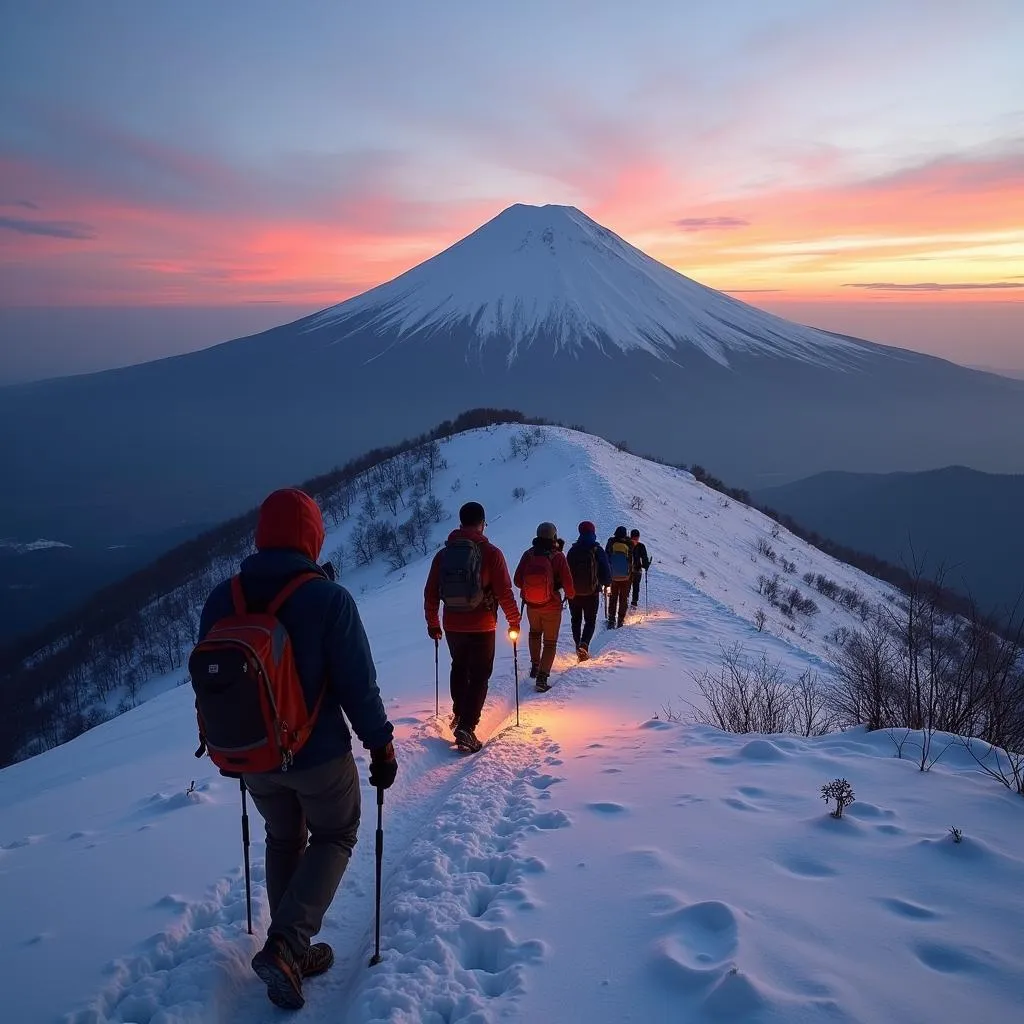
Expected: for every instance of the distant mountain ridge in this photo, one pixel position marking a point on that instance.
(541, 310)
(968, 520)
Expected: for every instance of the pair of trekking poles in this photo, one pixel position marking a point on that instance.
(378, 849)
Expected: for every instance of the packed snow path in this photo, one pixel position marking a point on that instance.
(596, 863)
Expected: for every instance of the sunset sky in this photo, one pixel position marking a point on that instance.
(842, 163)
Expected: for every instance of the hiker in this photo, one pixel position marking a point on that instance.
(588, 566)
(470, 577)
(641, 563)
(543, 572)
(313, 796)
(620, 561)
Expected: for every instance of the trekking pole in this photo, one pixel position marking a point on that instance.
(437, 685)
(515, 664)
(245, 855)
(647, 594)
(379, 849)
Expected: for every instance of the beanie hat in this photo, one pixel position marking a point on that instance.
(547, 531)
(620, 532)
(290, 518)
(634, 533)
(587, 527)
(472, 514)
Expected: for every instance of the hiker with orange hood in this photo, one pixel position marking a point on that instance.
(310, 800)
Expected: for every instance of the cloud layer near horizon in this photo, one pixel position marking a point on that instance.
(306, 162)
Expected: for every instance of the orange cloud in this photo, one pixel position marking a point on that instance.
(946, 223)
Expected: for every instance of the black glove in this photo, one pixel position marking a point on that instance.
(383, 767)
(435, 632)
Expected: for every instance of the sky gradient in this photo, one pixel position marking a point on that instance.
(804, 154)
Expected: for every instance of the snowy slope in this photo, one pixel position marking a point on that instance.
(596, 863)
(551, 271)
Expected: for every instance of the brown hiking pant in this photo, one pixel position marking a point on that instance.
(544, 626)
(302, 879)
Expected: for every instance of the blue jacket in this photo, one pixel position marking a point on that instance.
(329, 644)
(586, 542)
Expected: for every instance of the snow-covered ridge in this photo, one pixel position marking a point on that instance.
(26, 547)
(551, 272)
(598, 863)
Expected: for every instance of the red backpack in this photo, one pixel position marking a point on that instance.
(538, 578)
(250, 705)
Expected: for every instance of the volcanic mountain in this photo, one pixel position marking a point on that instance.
(541, 309)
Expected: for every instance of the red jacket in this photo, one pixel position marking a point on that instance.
(563, 577)
(494, 575)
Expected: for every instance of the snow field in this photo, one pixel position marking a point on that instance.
(596, 863)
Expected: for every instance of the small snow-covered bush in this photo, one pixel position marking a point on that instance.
(518, 493)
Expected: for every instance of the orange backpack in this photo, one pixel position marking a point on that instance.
(250, 704)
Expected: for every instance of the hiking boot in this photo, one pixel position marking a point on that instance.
(453, 722)
(276, 966)
(542, 682)
(632, 604)
(533, 671)
(611, 623)
(317, 959)
(466, 741)
(582, 652)
(622, 622)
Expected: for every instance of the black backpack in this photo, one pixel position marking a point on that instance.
(461, 575)
(583, 566)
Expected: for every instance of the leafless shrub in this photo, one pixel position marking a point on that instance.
(754, 696)
(524, 442)
(760, 619)
(433, 509)
(636, 503)
(518, 493)
(842, 792)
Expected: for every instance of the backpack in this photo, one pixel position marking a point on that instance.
(583, 566)
(461, 575)
(250, 705)
(620, 557)
(538, 578)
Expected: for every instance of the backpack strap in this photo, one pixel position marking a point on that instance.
(288, 589)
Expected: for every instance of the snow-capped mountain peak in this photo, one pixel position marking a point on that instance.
(551, 276)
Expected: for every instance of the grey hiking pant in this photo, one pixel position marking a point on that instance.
(319, 804)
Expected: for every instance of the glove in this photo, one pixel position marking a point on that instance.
(383, 766)
(435, 632)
